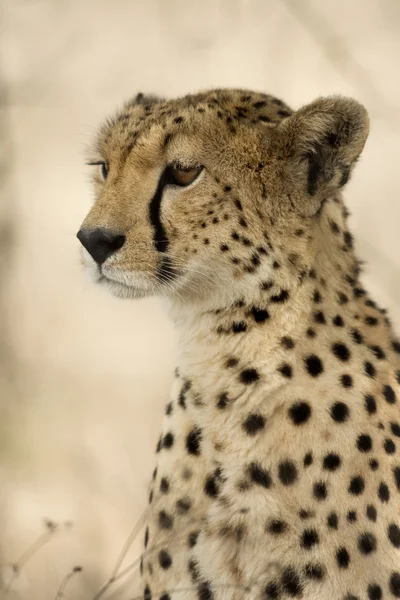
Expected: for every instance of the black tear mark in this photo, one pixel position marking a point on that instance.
(161, 241)
(166, 270)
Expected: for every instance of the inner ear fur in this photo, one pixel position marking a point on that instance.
(322, 142)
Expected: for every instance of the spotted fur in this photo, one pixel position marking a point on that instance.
(278, 466)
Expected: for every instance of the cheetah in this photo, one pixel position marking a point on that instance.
(278, 465)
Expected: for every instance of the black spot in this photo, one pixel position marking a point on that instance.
(310, 332)
(395, 427)
(193, 440)
(367, 543)
(374, 465)
(319, 317)
(309, 538)
(168, 409)
(147, 593)
(204, 591)
(357, 486)
(291, 582)
(165, 597)
(374, 592)
(371, 512)
(396, 475)
(342, 558)
(248, 376)
(193, 569)
(308, 459)
(306, 514)
(165, 520)
(320, 491)
(342, 298)
(317, 298)
(164, 485)
(372, 321)
(164, 559)
(357, 337)
(260, 315)
(314, 365)
(389, 446)
(277, 527)
(146, 537)
(299, 412)
(388, 394)
(168, 440)
(395, 584)
(369, 369)
(287, 472)
(280, 298)
(253, 423)
(223, 401)
(192, 539)
(394, 534)
(340, 412)
(333, 521)
(348, 237)
(383, 492)
(286, 370)
(379, 353)
(341, 351)
(183, 505)
(314, 571)
(231, 362)
(272, 591)
(346, 381)
(370, 404)
(331, 462)
(364, 443)
(259, 475)
(211, 486)
(239, 327)
(287, 343)
(338, 321)
(352, 516)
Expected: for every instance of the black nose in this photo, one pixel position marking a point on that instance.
(100, 243)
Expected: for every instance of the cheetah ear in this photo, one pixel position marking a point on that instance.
(322, 142)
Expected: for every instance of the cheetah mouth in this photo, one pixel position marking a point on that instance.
(124, 285)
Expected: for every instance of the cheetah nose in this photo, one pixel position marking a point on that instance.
(100, 243)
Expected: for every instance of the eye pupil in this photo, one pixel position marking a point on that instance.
(104, 170)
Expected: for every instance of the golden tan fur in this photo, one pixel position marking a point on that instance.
(278, 470)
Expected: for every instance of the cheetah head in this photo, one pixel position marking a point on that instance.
(212, 192)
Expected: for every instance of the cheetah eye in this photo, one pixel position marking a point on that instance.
(104, 170)
(183, 176)
(103, 166)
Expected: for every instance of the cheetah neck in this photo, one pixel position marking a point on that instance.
(248, 351)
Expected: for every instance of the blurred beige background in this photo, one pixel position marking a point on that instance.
(83, 377)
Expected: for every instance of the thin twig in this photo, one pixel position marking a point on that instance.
(115, 575)
(66, 580)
